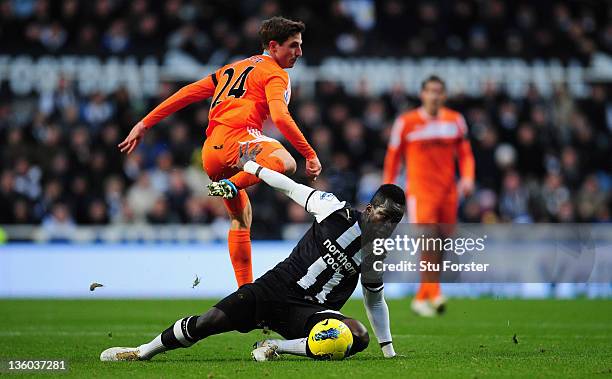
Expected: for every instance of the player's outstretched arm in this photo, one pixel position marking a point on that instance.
(319, 204)
(133, 139)
(378, 314)
(200, 90)
(466, 168)
(394, 153)
(279, 113)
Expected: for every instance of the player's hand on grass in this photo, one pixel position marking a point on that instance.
(245, 154)
(313, 168)
(133, 139)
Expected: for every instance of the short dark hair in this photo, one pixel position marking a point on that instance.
(279, 29)
(434, 79)
(389, 192)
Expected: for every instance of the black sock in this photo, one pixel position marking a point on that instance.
(181, 334)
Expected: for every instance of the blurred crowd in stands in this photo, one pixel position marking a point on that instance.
(216, 29)
(537, 159)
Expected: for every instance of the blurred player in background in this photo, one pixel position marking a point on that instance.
(431, 139)
(244, 94)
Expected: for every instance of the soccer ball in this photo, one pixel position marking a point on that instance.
(330, 339)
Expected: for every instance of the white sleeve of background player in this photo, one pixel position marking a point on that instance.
(378, 314)
(319, 204)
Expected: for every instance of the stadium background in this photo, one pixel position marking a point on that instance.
(75, 76)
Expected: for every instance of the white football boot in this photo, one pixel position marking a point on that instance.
(264, 351)
(115, 354)
(422, 308)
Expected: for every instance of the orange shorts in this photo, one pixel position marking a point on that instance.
(426, 209)
(220, 151)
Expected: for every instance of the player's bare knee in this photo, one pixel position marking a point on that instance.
(239, 224)
(242, 220)
(282, 157)
(361, 337)
(290, 165)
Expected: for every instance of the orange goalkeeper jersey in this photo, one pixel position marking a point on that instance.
(244, 94)
(431, 147)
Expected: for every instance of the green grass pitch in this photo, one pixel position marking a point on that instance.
(556, 338)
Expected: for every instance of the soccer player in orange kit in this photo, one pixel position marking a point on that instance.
(244, 94)
(431, 138)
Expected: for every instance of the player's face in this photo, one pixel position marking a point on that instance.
(433, 96)
(288, 53)
(382, 220)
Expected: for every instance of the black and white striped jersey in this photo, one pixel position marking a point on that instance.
(324, 266)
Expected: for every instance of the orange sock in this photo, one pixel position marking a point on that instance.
(422, 292)
(428, 291)
(244, 179)
(434, 290)
(239, 243)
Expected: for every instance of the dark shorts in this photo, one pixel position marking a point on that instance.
(268, 303)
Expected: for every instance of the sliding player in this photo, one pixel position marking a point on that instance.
(311, 285)
(243, 94)
(431, 139)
